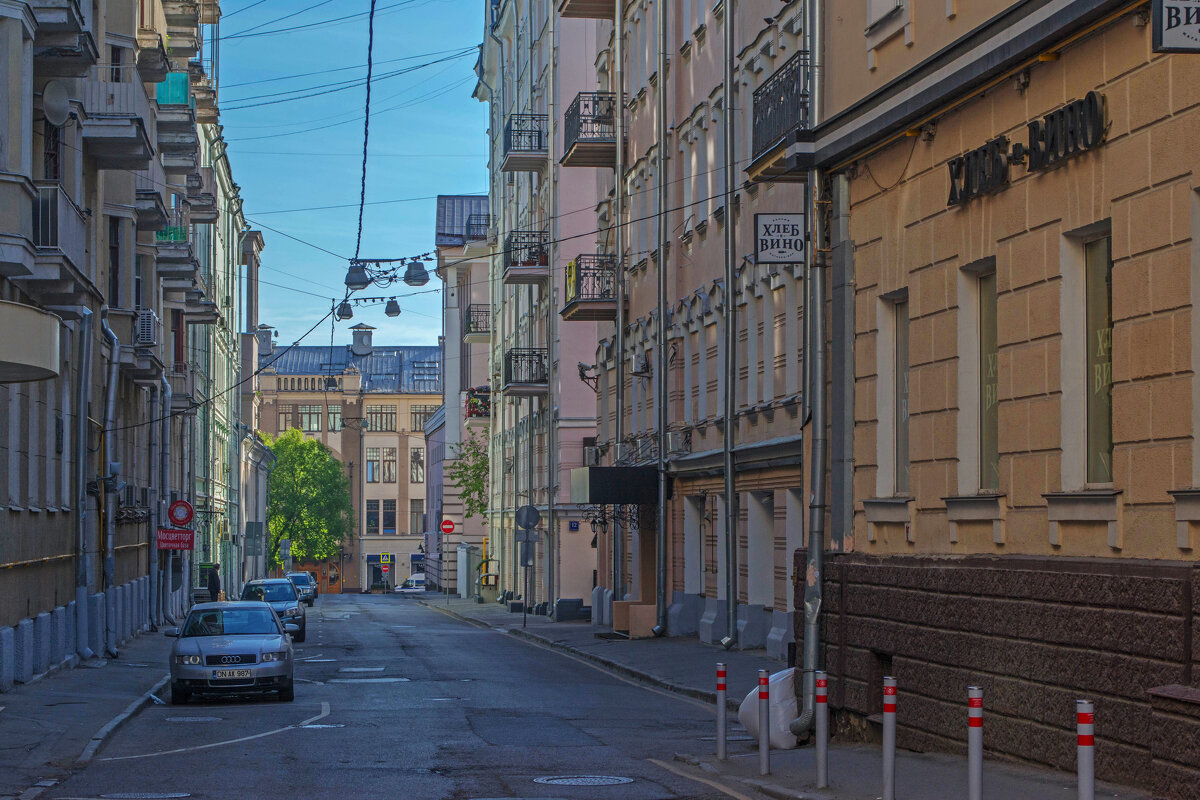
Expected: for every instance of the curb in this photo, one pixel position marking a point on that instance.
(120, 719)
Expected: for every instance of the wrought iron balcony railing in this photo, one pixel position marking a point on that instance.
(178, 228)
(477, 227)
(525, 133)
(479, 319)
(592, 277)
(591, 116)
(525, 366)
(781, 105)
(478, 402)
(527, 249)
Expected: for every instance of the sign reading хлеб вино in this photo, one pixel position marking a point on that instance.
(779, 238)
(1176, 26)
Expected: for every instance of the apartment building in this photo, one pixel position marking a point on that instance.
(532, 65)
(104, 199)
(463, 238)
(369, 405)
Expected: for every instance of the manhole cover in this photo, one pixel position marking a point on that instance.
(145, 795)
(193, 719)
(583, 780)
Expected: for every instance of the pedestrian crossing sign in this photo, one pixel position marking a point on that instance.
(385, 558)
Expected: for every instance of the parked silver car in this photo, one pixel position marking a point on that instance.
(233, 648)
(284, 597)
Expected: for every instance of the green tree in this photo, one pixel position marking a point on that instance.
(469, 472)
(310, 499)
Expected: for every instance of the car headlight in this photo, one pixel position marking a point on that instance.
(281, 656)
(294, 611)
(187, 660)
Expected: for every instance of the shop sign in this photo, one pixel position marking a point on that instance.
(1059, 136)
(175, 539)
(779, 238)
(1176, 26)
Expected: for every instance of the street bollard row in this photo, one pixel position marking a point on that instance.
(1085, 718)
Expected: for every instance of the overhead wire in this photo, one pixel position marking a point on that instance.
(362, 203)
(285, 16)
(346, 69)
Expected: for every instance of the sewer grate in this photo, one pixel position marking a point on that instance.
(583, 780)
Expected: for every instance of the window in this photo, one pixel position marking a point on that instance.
(901, 396)
(389, 517)
(389, 465)
(139, 267)
(114, 64)
(310, 419)
(417, 465)
(381, 418)
(114, 262)
(416, 516)
(178, 341)
(287, 417)
(420, 414)
(335, 418)
(372, 465)
(51, 153)
(989, 385)
(372, 518)
(1098, 288)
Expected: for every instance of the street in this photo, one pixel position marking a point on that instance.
(394, 699)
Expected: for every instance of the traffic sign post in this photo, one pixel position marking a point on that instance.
(447, 526)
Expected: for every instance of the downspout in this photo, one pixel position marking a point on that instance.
(83, 384)
(164, 497)
(815, 307)
(730, 313)
(152, 610)
(551, 322)
(618, 540)
(110, 505)
(660, 351)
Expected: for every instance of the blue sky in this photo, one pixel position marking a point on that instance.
(428, 137)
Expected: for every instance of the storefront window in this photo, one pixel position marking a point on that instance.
(989, 385)
(1098, 255)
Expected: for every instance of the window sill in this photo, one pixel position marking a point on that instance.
(988, 507)
(1089, 505)
(888, 511)
(1187, 511)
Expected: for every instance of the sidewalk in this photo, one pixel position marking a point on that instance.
(47, 725)
(687, 666)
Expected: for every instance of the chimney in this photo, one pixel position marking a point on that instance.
(362, 340)
(265, 344)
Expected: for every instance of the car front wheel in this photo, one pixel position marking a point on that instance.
(288, 693)
(178, 696)
(299, 637)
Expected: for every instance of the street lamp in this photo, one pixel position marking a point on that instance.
(416, 274)
(345, 311)
(392, 309)
(356, 276)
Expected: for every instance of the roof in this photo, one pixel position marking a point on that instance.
(453, 211)
(387, 370)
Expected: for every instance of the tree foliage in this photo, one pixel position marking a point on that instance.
(469, 472)
(310, 499)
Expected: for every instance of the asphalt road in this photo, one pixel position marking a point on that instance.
(395, 700)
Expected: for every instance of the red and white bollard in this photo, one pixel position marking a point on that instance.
(822, 725)
(889, 738)
(721, 711)
(764, 722)
(1085, 730)
(974, 743)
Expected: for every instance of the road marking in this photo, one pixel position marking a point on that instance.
(368, 680)
(324, 713)
(710, 783)
(320, 660)
(362, 669)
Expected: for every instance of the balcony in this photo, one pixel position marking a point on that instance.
(64, 46)
(202, 196)
(59, 227)
(478, 226)
(140, 333)
(526, 257)
(177, 115)
(183, 27)
(150, 186)
(153, 64)
(590, 129)
(198, 309)
(210, 11)
(29, 343)
(525, 143)
(477, 402)
(477, 326)
(525, 372)
(586, 9)
(183, 386)
(781, 118)
(591, 290)
(177, 264)
(116, 125)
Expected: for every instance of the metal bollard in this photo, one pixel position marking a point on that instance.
(974, 743)
(889, 738)
(822, 720)
(721, 711)
(764, 722)
(1085, 729)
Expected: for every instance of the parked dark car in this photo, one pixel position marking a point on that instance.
(306, 585)
(281, 594)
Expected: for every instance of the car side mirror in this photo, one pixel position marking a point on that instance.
(173, 632)
(291, 629)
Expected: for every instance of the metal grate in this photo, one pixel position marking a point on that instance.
(479, 318)
(781, 104)
(525, 133)
(526, 365)
(527, 249)
(591, 117)
(478, 226)
(592, 277)
(583, 780)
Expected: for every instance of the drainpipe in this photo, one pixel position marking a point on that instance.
(110, 505)
(164, 497)
(815, 306)
(83, 384)
(618, 541)
(730, 311)
(551, 554)
(660, 369)
(152, 606)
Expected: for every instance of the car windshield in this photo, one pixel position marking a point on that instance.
(304, 580)
(269, 592)
(231, 622)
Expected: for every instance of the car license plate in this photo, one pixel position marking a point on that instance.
(230, 673)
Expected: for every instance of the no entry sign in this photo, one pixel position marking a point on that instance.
(386, 568)
(174, 539)
(180, 512)
(447, 526)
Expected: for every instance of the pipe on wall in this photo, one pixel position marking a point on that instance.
(109, 476)
(660, 350)
(618, 535)
(155, 492)
(83, 386)
(729, 309)
(164, 497)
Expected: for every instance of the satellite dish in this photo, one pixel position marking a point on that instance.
(56, 105)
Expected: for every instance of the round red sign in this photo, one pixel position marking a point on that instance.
(447, 526)
(180, 512)
(386, 567)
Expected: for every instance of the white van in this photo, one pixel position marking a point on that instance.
(414, 585)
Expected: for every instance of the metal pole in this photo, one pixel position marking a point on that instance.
(974, 743)
(549, 554)
(109, 476)
(889, 738)
(764, 722)
(822, 719)
(618, 543)
(722, 712)
(1085, 729)
(660, 350)
(83, 388)
(730, 313)
(155, 491)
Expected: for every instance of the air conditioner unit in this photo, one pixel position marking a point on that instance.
(679, 442)
(591, 456)
(147, 329)
(622, 451)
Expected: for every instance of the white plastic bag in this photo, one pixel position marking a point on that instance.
(784, 709)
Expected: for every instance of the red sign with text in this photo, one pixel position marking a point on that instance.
(447, 526)
(175, 539)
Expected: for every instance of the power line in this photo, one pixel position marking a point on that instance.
(240, 10)
(281, 19)
(334, 20)
(362, 202)
(345, 69)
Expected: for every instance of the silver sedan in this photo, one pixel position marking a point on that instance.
(231, 648)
